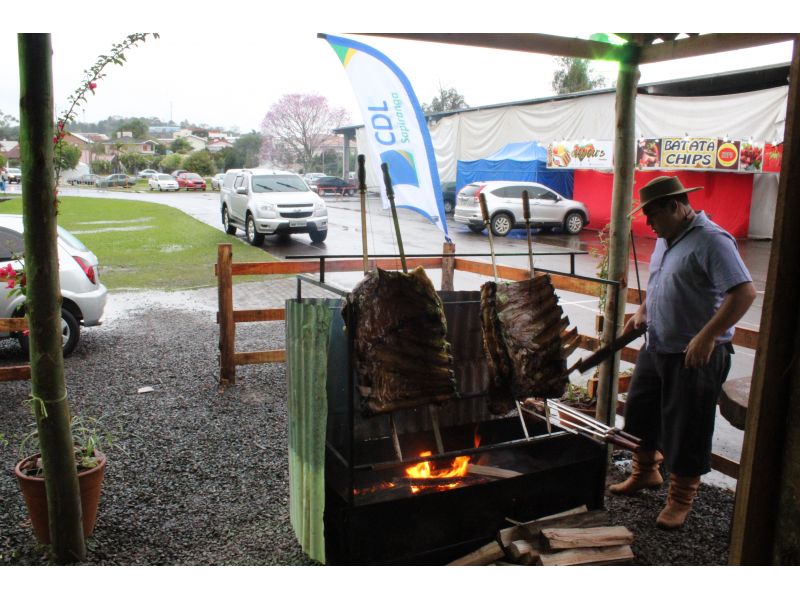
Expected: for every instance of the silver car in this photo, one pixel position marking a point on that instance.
(84, 297)
(504, 204)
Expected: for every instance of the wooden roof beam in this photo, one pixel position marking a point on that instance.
(523, 42)
(709, 43)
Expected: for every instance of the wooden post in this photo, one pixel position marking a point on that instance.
(227, 326)
(43, 298)
(448, 266)
(766, 514)
(619, 236)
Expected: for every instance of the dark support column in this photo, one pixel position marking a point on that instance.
(766, 518)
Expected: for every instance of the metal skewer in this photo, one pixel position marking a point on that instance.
(485, 215)
(362, 192)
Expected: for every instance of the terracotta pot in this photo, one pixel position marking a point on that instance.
(623, 383)
(33, 491)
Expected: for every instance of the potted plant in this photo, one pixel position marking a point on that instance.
(90, 461)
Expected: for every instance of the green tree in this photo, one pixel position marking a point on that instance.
(448, 99)
(138, 127)
(180, 146)
(9, 127)
(67, 156)
(101, 167)
(3, 162)
(200, 162)
(575, 75)
(170, 163)
(134, 161)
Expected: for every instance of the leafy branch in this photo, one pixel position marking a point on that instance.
(89, 83)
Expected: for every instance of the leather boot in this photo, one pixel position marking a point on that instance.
(644, 474)
(682, 491)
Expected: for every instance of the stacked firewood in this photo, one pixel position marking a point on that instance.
(574, 537)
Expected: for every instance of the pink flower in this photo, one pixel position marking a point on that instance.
(61, 125)
(8, 271)
(11, 283)
(55, 139)
(92, 85)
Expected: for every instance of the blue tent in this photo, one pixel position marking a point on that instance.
(520, 161)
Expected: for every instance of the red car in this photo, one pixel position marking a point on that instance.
(191, 181)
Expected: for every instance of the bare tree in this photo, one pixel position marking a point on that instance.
(448, 99)
(300, 123)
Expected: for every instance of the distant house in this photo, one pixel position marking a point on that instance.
(218, 144)
(10, 149)
(196, 142)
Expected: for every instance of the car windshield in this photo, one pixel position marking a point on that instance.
(165, 177)
(278, 183)
(192, 176)
(71, 239)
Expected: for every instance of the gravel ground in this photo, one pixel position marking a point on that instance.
(201, 477)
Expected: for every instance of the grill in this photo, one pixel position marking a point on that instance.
(376, 513)
(296, 215)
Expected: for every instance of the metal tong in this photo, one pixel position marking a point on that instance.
(574, 421)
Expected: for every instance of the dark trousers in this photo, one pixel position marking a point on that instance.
(672, 408)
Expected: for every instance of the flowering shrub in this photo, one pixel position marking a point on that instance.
(15, 280)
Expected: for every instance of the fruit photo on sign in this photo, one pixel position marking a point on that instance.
(773, 157)
(647, 154)
(750, 156)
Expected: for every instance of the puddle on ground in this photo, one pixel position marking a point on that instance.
(122, 305)
(120, 222)
(107, 229)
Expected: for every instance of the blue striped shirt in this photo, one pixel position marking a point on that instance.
(688, 282)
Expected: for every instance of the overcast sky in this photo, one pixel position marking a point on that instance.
(225, 63)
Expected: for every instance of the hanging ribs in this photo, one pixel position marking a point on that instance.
(398, 327)
(526, 341)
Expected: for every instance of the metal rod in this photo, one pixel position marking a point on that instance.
(434, 412)
(448, 254)
(526, 212)
(387, 180)
(485, 214)
(362, 192)
(395, 438)
(522, 420)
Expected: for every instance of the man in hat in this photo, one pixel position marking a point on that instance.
(698, 289)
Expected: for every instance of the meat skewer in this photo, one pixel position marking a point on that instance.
(362, 192)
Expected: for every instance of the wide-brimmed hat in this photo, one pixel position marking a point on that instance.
(660, 187)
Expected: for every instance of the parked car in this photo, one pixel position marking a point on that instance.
(266, 202)
(163, 183)
(88, 179)
(216, 181)
(83, 296)
(191, 181)
(504, 204)
(147, 173)
(13, 174)
(178, 172)
(116, 180)
(449, 196)
(333, 185)
(309, 177)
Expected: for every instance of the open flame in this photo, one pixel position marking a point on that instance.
(425, 470)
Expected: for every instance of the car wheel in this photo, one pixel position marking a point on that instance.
(70, 334)
(226, 222)
(476, 228)
(448, 206)
(318, 236)
(253, 237)
(501, 224)
(573, 223)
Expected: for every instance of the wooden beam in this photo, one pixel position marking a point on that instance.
(19, 373)
(710, 43)
(13, 325)
(772, 412)
(537, 43)
(257, 358)
(255, 315)
(281, 267)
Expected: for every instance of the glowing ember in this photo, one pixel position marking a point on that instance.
(425, 470)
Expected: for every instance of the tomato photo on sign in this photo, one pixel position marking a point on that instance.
(773, 157)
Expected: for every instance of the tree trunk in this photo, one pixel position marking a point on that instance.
(619, 235)
(43, 298)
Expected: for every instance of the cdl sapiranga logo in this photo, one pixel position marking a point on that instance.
(401, 167)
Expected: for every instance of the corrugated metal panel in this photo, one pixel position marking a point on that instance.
(308, 324)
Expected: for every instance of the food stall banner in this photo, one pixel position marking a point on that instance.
(708, 154)
(396, 129)
(580, 155)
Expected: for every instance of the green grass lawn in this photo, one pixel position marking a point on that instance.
(146, 246)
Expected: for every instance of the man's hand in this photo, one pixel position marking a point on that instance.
(637, 321)
(699, 351)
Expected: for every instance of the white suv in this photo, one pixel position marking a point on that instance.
(83, 296)
(266, 202)
(504, 204)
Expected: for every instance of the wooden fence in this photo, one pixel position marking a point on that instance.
(227, 317)
(19, 372)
